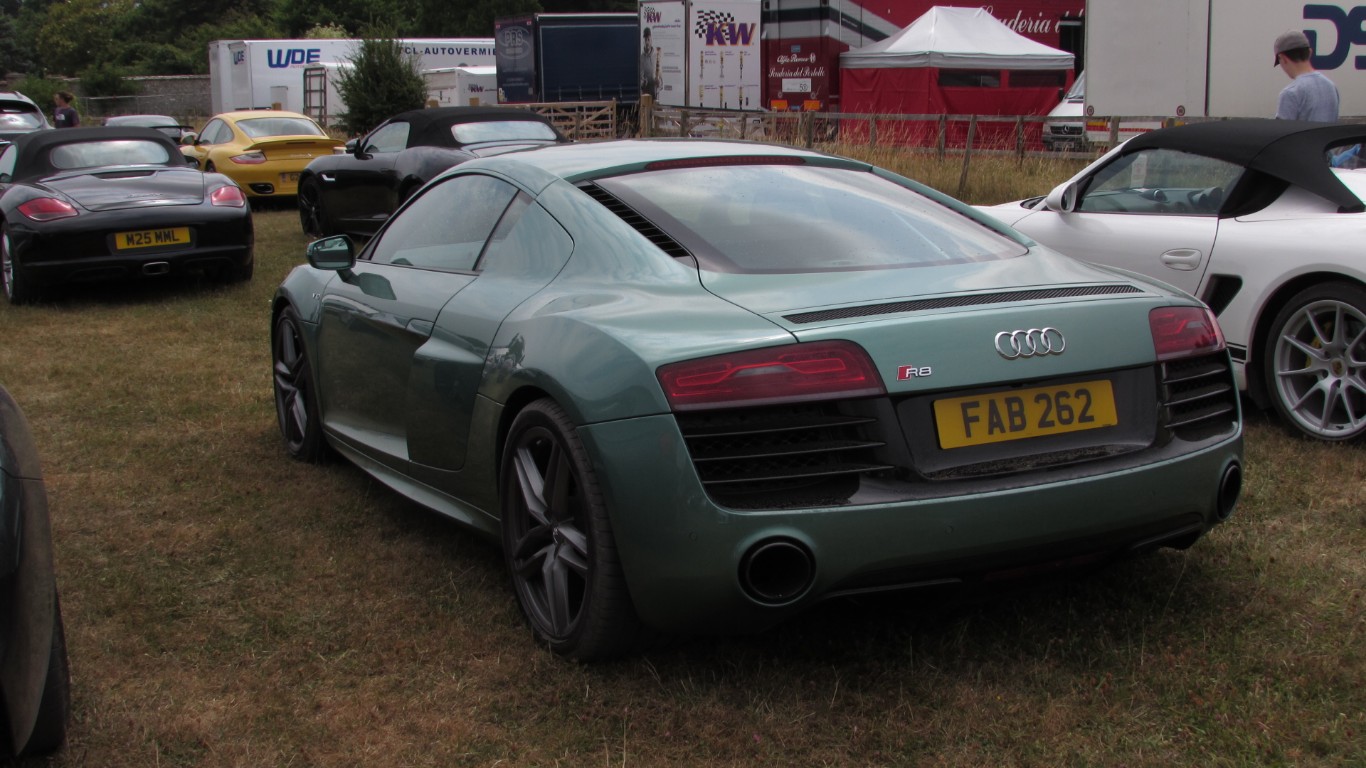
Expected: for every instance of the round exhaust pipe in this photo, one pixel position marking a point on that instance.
(777, 571)
(1230, 488)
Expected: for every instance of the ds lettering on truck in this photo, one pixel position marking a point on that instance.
(1351, 30)
(280, 58)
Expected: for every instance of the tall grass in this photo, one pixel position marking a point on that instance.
(990, 177)
(229, 607)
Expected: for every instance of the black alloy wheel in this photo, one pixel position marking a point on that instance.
(15, 284)
(311, 217)
(296, 403)
(558, 542)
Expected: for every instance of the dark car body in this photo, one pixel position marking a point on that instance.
(20, 115)
(356, 192)
(102, 203)
(167, 125)
(34, 680)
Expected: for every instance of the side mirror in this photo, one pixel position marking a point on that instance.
(335, 253)
(1063, 198)
(190, 138)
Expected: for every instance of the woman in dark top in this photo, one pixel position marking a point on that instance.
(64, 116)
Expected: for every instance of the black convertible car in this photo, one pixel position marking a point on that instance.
(100, 203)
(355, 192)
(35, 683)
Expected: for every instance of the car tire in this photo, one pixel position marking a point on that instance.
(558, 543)
(1314, 362)
(17, 287)
(312, 218)
(296, 400)
(54, 710)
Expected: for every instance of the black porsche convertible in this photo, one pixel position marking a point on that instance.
(355, 192)
(102, 203)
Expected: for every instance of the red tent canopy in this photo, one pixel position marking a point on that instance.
(958, 61)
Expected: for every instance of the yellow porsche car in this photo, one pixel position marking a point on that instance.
(262, 150)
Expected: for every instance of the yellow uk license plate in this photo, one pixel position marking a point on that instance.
(150, 238)
(1023, 413)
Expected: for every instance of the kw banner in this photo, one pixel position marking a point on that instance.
(725, 70)
(663, 53)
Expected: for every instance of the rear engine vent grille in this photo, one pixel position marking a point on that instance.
(780, 457)
(952, 302)
(639, 223)
(1199, 397)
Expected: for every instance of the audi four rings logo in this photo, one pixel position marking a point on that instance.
(1035, 342)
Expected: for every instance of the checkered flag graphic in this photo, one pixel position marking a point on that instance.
(706, 19)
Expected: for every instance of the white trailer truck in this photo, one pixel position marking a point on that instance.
(255, 74)
(1213, 58)
(462, 86)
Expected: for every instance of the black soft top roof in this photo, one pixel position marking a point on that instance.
(432, 127)
(33, 147)
(1290, 150)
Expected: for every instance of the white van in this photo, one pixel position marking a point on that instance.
(1062, 134)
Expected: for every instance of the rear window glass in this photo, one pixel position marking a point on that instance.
(258, 127)
(501, 130)
(18, 115)
(90, 154)
(785, 218)
(144, 121)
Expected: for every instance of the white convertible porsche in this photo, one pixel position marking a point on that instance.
(1263, 220)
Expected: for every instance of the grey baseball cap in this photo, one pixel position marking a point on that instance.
(1289, 41)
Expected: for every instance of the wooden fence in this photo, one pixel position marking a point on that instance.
(583, 119)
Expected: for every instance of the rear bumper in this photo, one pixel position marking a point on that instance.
(82, 250)
(691, 563)
(272, 179)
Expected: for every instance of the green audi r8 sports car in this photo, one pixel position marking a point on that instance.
(699, 386)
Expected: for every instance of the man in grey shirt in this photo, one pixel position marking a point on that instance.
(1310, 95)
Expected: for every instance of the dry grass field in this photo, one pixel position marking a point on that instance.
(227, 606)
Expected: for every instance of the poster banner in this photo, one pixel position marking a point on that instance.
(663, 53)
(726, 69)
(515, 52)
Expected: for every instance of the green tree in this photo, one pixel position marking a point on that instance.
(379, 82)
(326, 32)
(472, 18)
(296, 17)
(107, 80)
(74, 35)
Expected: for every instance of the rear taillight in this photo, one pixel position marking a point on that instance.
(787, 374)
(249, 158)
(47, 209)
(231, 197)
(1184, 332)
